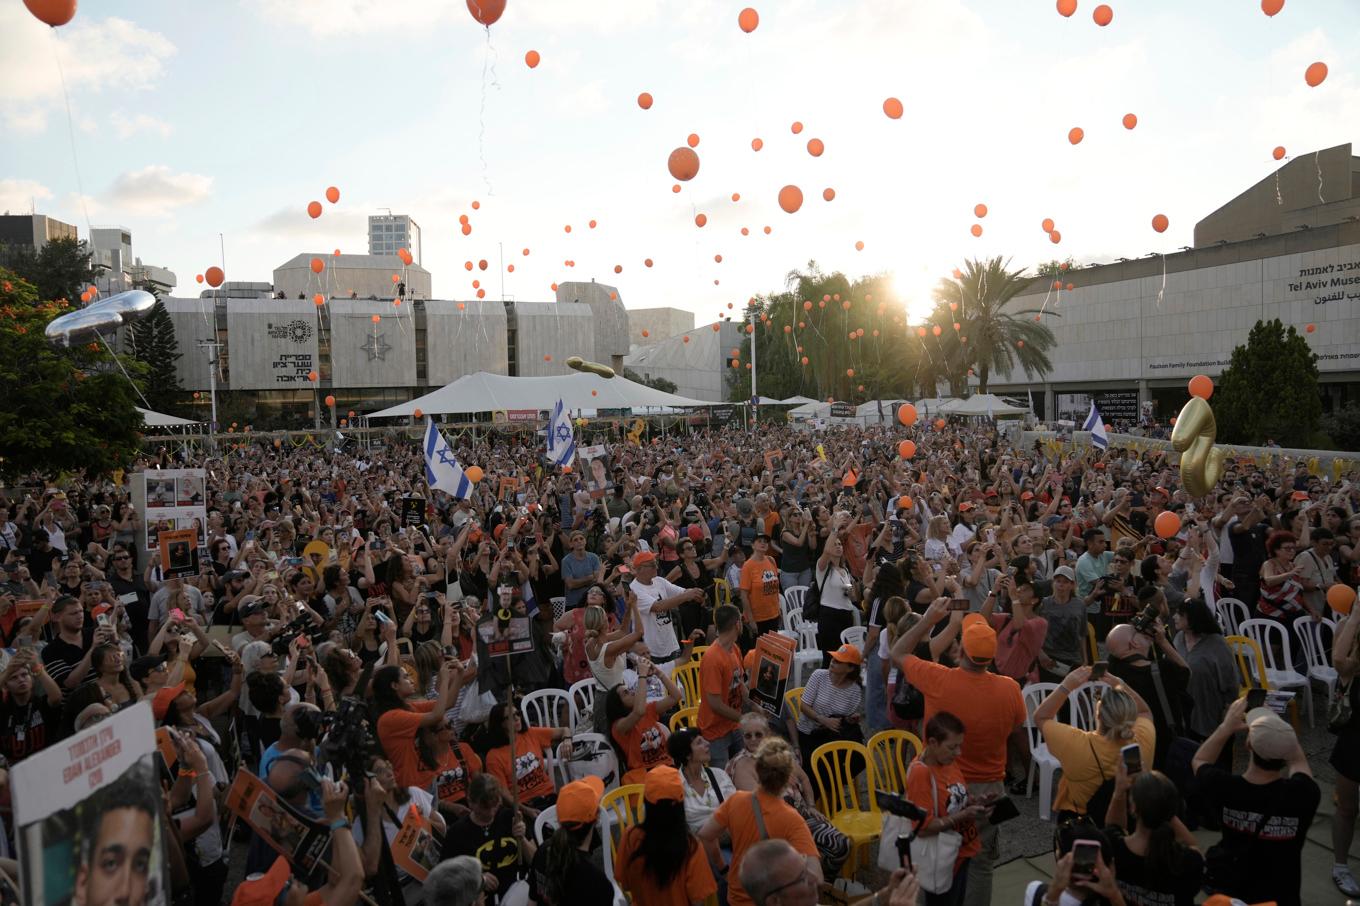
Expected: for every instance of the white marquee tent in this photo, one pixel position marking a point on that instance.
(982, 404)
(161, 420)
(486, 392)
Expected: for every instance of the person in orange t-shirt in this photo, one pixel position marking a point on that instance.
(529, 774)
(760, 587)
(990, 706)
(737, 817)
(935, 783)
(658, 862)
(399, 720)
(635, 724)
(455, 765)
(722, 688)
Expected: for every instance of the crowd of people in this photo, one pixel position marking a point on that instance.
(984, 596)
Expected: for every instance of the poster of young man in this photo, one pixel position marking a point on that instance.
(773, 660)
(179, 553)
(595, 469)
(295, 836)
(88, 818)
(169, 499)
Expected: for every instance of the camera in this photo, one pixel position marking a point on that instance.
(1145, 620)
(348, 743)
(900, 806)
(301, 625)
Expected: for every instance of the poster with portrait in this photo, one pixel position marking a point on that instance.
(171, 499)
(179, 553)
(773, 662)
(415, 850)
(90, 799)
(299, 839)
(595, 468)
(503, 637)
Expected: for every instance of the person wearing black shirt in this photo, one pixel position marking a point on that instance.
(28, 722)
(1159, 862)
(1265, 812)
(41, 555)
(131, 591)
(494, 834)
(1132, 658)
(67, 655)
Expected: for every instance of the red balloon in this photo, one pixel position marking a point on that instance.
(214, 276)
(1201, 386)
(486, 12)
(1167, 524)
(1271, 7)
(53, 12)
(683, 164)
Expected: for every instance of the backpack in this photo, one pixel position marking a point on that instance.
(812, 598)
(1099, 803)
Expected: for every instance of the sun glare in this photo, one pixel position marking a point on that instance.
(913, 286)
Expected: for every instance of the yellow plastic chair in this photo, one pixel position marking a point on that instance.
(891, 753)
(1091, 641)
(698, 653)
(622, 807)
(1251, 663)
(686, 676)
(839, 799)
(722, 591)
(793, 700)
(685, 717)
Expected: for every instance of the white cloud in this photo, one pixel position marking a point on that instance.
(25, 120)
(330, 18)
(18, 195)
(129, 125)
(156, 190)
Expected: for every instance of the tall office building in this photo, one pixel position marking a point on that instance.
(33, 230)
(387, 233)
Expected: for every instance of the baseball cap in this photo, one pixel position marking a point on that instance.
(979, 638)
(161, 703)
(1269, 735)
(760, 535)
(1066, 573)
(848, 654)
(965, 507)
(265, 889)
(579, 801)
(991, 492)
(1299, 495)
(642, 557)
(695, 532)
(1026, 495)
(662, 784)
(249, 607)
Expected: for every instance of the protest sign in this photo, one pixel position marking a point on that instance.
(415, 849)
(179, 553)
(774, 659)
(293, 835)
(595, 469)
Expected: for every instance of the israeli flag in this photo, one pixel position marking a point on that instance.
(442, 472)
(1097, 428)
(561, 438)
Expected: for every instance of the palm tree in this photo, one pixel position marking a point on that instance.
(988, 338)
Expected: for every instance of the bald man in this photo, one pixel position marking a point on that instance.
(1132, 656)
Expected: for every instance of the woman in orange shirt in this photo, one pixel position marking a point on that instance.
(634, 724)
(400, 719)
(658, 861)
(451, 765)
(528, 780)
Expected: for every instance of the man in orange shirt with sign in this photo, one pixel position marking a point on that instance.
(722, 688)
(760, 587)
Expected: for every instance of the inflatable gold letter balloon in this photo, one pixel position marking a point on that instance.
(579, 364)
(1193, 437)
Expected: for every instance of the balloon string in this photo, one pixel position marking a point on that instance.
(488, 68)
(119, 363)
(1317, 162)
(1279, 199)
(1162, 292)
(70, 129)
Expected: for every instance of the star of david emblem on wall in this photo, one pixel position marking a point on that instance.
(376, 346)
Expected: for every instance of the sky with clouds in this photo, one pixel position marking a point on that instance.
(191, 119)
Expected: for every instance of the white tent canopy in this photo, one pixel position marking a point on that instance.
(982, 404)
(485, 392)
(161, 420)
(797, 401)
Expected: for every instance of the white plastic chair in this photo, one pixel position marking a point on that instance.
(1316, 651)
(1234, 612)
(1082, 713)
(856, 636)
(545, 818)
(582, 694)
(1040, 757)
(793, 620)
(613, 776)
(1280, 672)
(607, 853)
(807, 636)
(804, 663)
(792, 599)
(548, 708)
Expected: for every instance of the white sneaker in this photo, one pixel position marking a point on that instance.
(1345, 881)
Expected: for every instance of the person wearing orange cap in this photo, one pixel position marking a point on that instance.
(562, 871)
(657, 600)
(659, 862)
(832, 705)
(990, 706)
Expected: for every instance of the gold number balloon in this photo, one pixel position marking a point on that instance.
(579, 364)
(1193, 437)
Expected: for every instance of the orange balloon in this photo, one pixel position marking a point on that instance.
(979, 210)
(1019, 344)
(859, 246)
(547, 358)
(567, 228)
(645, 101)
(1315, 74)
(1167, 524)
(473, 473)
(396, 278)
(893, 108)
(790, 199)
(566, 470)
(1047, 225)
(591, 224)
(1201, 386)
(1067, 7)
(1278, 153)
(1054, 237)
(1311, 327)
(319, 299)
(531, 59)
(718, 259)
(1130, 120)
(481, 264)
(767, 231)
(1069, 287)
(804, 360)
(686, 339)
(748, 19)
(700, 219)
(486, 11)
(692, 140)
(849, 372)
(683, 164)
(330, 401)
(214, 276)
(618, 268)
(815, 147)
(846, 305)
(313, 209)
(939, 424)
(53, 12)
(1160, 223)
(467, 229)
(376, 318)
(198, 278)
(676, 188)
(796, 128)
(312, 376)
(476, 284)
(717, 327)
(1103, 15)
(828, 194)
(756, 144)
(1271, 7)
(906, 449)
(976, 230)
(461, 306)
(476, 205)
(1341, 598)
(1075, 135)
(920, 331)
(736, 196)
(647, 262)
(332, 194)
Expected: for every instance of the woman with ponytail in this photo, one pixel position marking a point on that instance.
(1160, 860)
(659, 862)
(562, 870)
(605, 650)
(1089, 757)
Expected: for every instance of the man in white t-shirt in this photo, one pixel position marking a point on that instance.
(657, 599)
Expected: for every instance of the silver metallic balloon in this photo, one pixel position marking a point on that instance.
(101, 317)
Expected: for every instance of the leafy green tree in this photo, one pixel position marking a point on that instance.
(59, 271)
(154, 345)
(656, 383)
(1269, 390)
(1343, 427)
(65, 410)
(988, 338)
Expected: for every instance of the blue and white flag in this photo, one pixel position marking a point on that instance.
(442, 471)
(1097, 428)
(561, 438)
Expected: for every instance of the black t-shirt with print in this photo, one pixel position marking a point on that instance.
(1267, 823)
(1140, 885)
(494, 846)
(25, 729)
(585, 882)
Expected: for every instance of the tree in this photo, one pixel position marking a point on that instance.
(656, 383)
(154, 345)
(1343, 427)
(59, 271)
(1269, 390)
(65, 410)
(987, 337)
